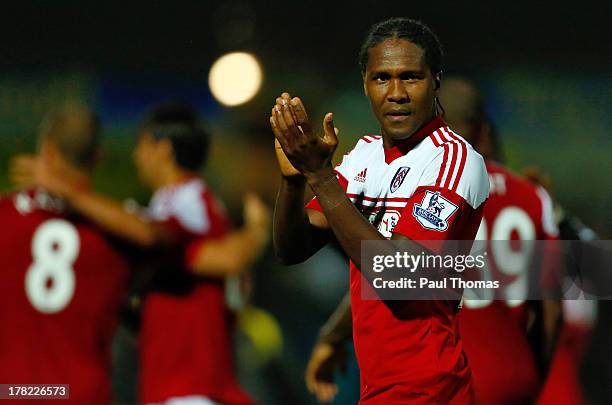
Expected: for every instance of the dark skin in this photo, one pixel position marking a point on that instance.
(401, 89)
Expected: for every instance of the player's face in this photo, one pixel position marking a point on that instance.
(145, 159)
(401, 88)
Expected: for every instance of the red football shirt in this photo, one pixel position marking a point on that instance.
(186, 337)
(410, 351)
(562, 385)
(62, 285)
(494, 331)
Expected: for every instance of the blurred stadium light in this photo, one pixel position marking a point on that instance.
(235, 78)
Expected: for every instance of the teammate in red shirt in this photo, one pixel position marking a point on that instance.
(185, 339)
(495, 330)
(408, 351)
(562, 385)
(577, 334)
(62, 280)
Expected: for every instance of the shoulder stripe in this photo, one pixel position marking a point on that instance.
(453, 165)
(435, 138)
(463, 144)
(459, 154)
(442, 167)
(450, 169)
(463, 153)
(369, 138)
(447, 164)
(455, 156)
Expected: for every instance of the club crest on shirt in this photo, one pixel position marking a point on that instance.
(434, 211)
(398, 179)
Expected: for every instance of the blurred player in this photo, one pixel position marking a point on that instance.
(329, 354)
(185, 338)
(494, 332)
(385, 178)
(562, 385)
(62, 280)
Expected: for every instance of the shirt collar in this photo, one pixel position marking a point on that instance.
(407, 145)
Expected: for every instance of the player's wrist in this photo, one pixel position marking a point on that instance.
(257, 236)
(320, 177)
(68, 191)
(295, 180)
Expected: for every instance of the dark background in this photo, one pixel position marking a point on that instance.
(544, 68)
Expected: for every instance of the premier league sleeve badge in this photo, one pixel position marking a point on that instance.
(434, 211)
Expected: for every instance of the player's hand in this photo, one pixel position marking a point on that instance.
(310, 154)
(257, 219)
(23, 171)
(324, 361)
(31, 171)
(286, 168)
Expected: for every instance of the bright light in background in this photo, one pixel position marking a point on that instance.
(235, 78)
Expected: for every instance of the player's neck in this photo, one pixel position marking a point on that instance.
(391, 142)
(174, 175)
(80, 179)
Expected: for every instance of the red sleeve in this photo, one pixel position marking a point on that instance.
(438, 214)
(189, 212)
(314, 204)
(179, 233)
(220, 225)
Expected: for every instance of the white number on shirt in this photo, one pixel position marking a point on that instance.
(50, 279)
(507, 261)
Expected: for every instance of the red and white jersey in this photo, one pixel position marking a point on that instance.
(517, 210)
(432, 187)
(494, 331)
(186, 339)
(60, 292)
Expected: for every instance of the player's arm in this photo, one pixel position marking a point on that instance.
(551, 308)
(236, 251)
(311, 155)
(552, 314)
(298, 232)
(329, 353)
(339, 327)
(109, 214)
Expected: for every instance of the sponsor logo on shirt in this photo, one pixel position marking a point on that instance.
(387, 222)
(361, 176)
(398, 179)
(434, 211)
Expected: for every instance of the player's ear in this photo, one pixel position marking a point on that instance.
(437, 81)
(365, 88)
